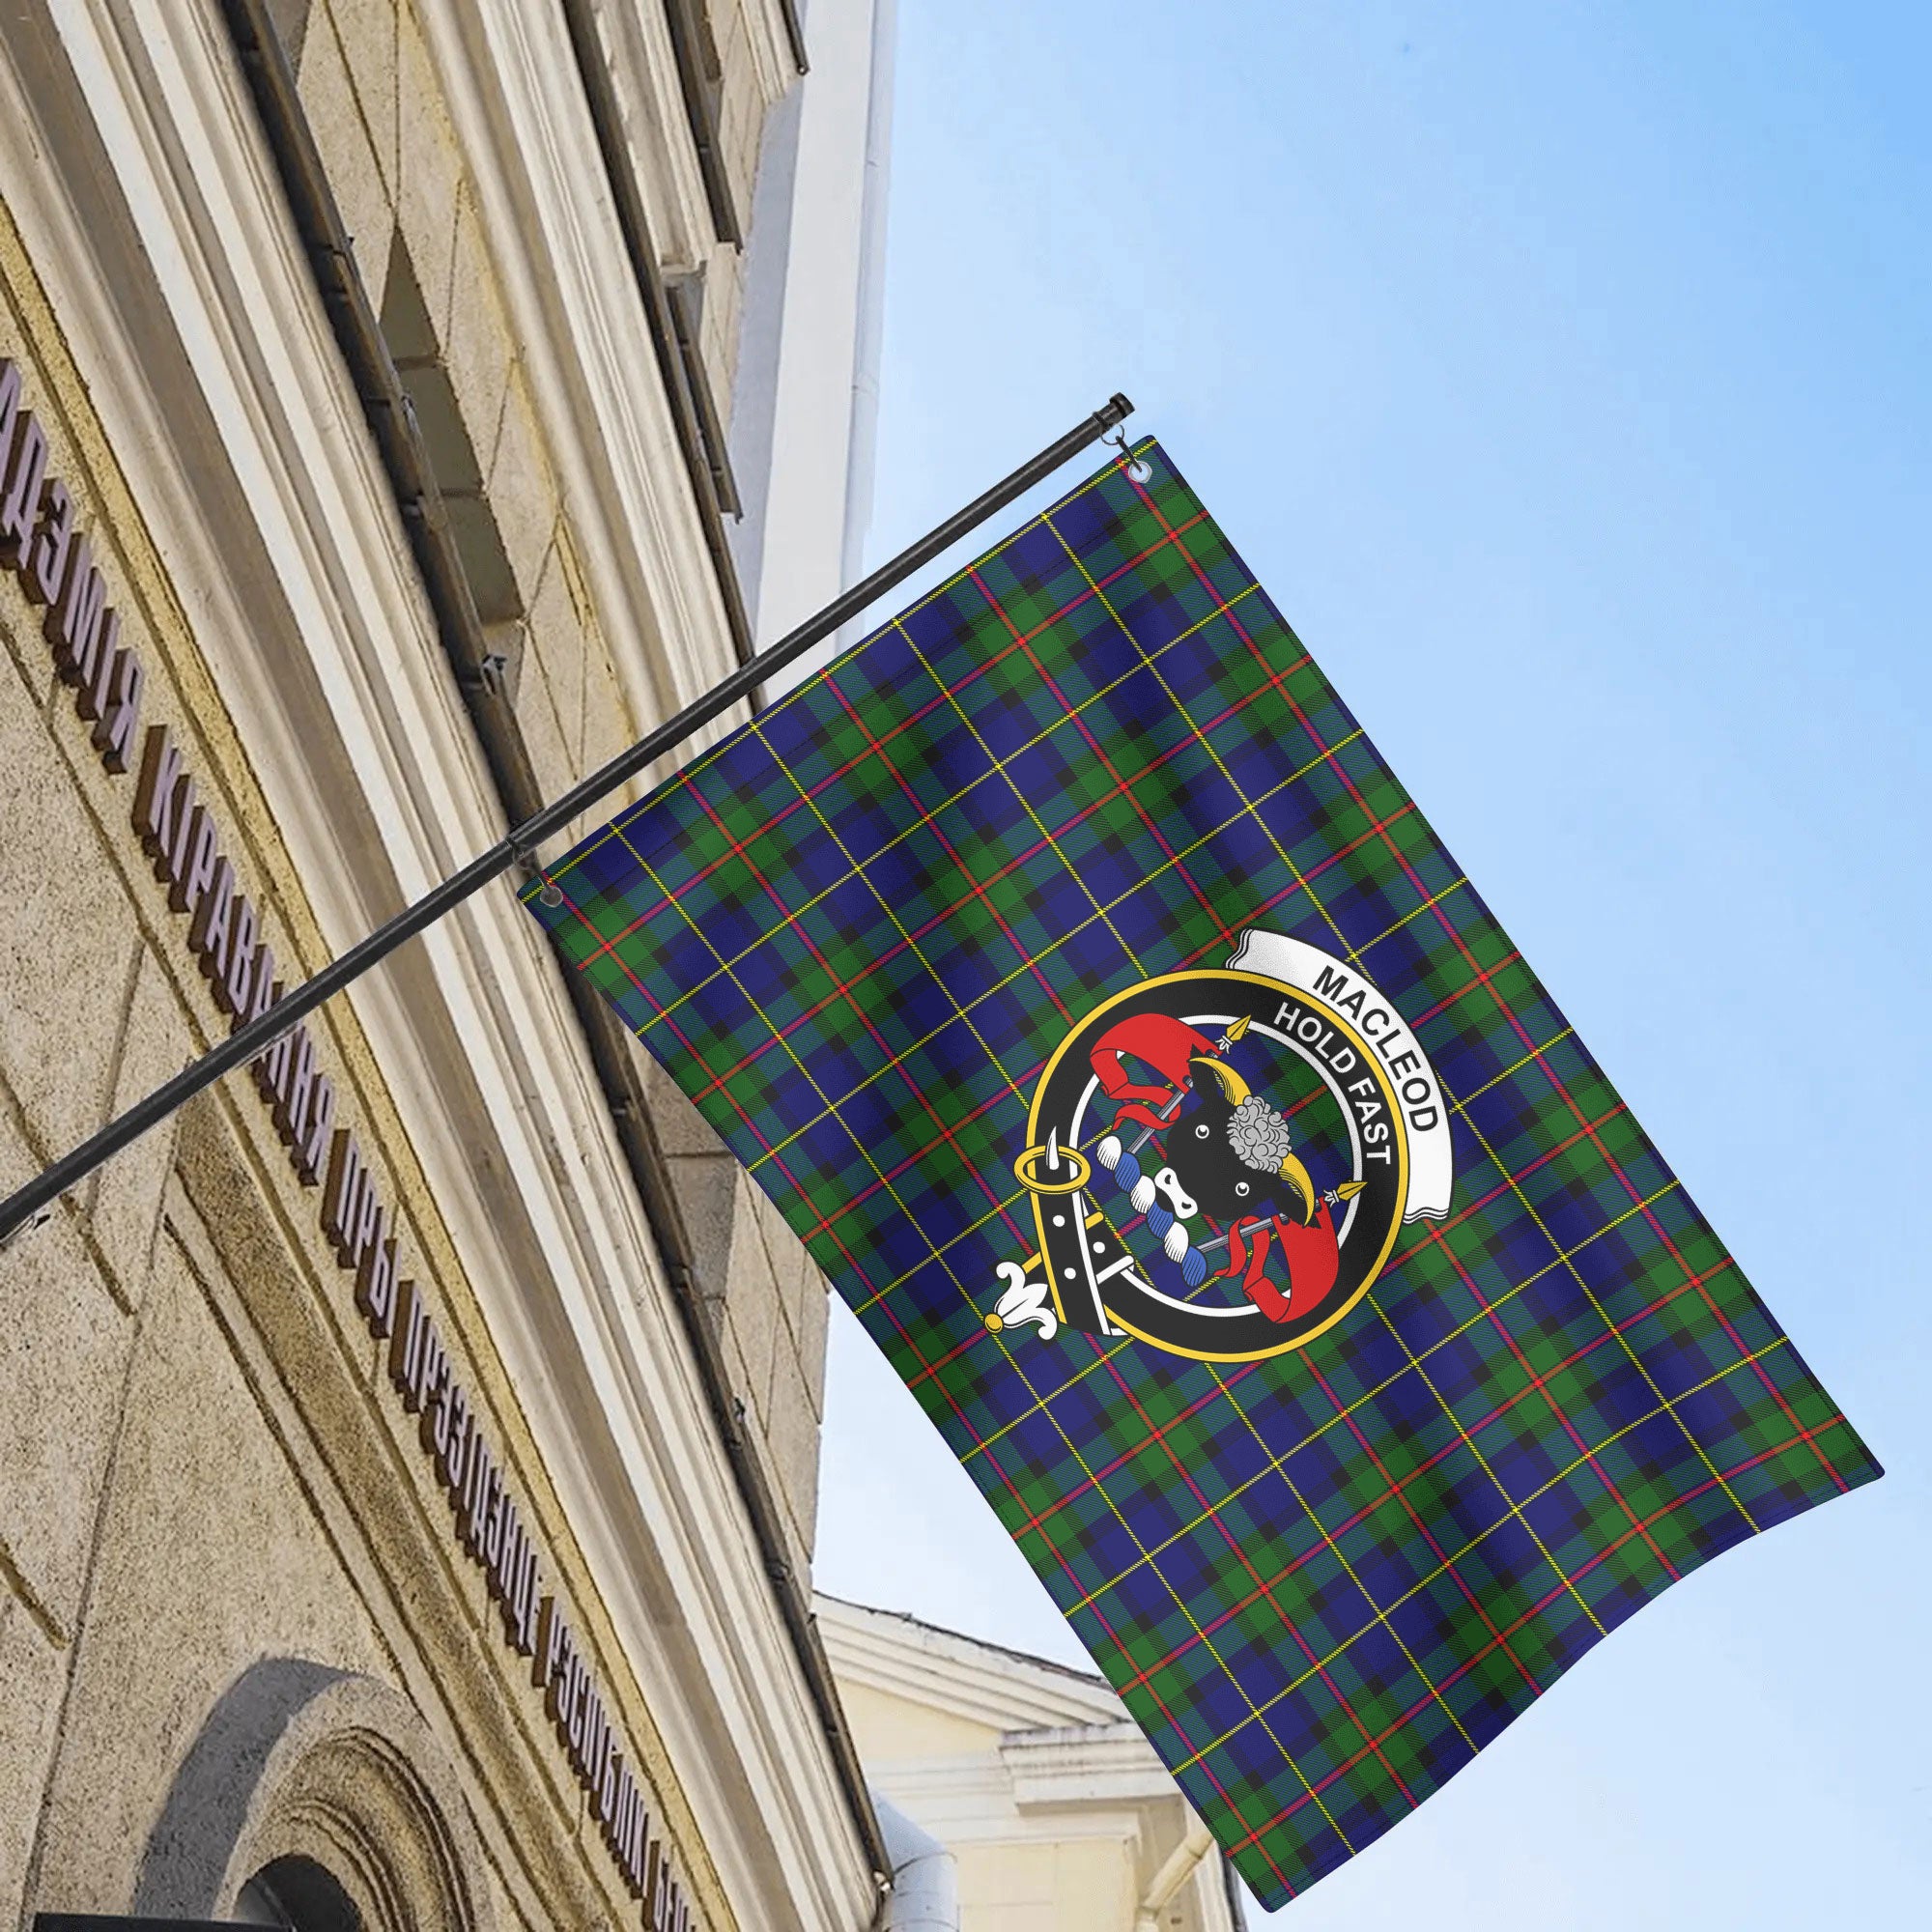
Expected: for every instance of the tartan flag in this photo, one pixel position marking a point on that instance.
(1109, 1024)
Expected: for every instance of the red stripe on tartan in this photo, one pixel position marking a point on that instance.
(1444, 1563)
(1079, 724)
(1448, 1449)
(1296, 1563)
(1468, 986)
(951, 1356)
(931, 824)
(871, 1187)
(685, 781)
(1503, 1007)
(1224, 607)
(939, 919)
(1195, 1751)
(1427, 1232)
(1537, 1608)
(733, 849)
(1012, 864)
(948, 1135)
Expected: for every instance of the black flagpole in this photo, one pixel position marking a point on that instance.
(33, 1201)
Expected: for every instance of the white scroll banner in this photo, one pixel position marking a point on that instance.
(1350, 996)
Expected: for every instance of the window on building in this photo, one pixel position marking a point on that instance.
(686, 296)
(700, 75)
(410, 335)
(299, 1895)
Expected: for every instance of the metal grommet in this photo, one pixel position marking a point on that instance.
(549, 891)
(1137, 470)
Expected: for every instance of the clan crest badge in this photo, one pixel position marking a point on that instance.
(1218, 1161)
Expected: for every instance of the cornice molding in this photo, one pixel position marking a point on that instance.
(958, 1675)
(1076, 1767)
(517, 104)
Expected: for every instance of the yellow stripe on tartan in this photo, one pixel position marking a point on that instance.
(1025, 804)
(681, 780)
(1428, 904)
(1187, 718)
(1381, 1613)
(1534, 1053)
(992, 1214)
(970, 1301)
(1562, 1475)
(1027, 965)
(1623, 1341)
(996, 765)
(1044, 953)
(1361, 1401)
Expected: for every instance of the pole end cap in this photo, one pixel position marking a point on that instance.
(39, 1218)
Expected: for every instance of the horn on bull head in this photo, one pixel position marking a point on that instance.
(1233, 1086)
(1298, 1177)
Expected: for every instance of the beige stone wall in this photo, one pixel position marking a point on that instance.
(369, 86)
(375, 104)
(202, 1464)
(766, 1302)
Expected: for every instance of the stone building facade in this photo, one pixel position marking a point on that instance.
(407, 1454)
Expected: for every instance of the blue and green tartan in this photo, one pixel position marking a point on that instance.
(854, 931)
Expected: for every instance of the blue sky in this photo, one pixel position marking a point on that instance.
(1563, 372)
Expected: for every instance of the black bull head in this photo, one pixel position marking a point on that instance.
(1203, 1151)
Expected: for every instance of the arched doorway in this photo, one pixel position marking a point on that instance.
(315, 1801)
(299, 1895)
